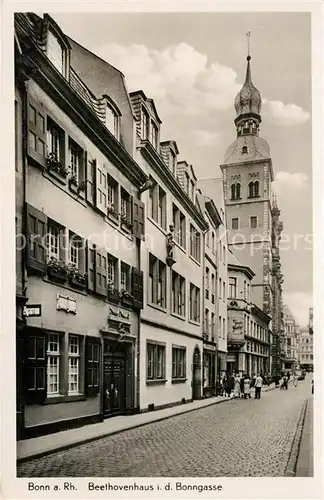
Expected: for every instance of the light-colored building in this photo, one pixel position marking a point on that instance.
(247, 178)
(172, 257)
(248, 344)
(213, 188)
(84, 227)
(306, 349)
(289, 339)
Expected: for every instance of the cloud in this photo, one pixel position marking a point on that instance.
(299, 304)
(204, 138)
(286, 115)
(295, 181)
(182, 81)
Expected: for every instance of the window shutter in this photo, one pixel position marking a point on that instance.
(36, 230)
(36, 124)
(101, 273)
(137, 288)
(101, 189)
(138, 219)
(92, 366)
(90, 256)
(90, 171)
(35, 367)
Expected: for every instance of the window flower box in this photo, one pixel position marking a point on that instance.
(112, 211)
(77, 278)
(126, 298)
(57, 270)
(125, 221)
(55, 167)
(113, 293)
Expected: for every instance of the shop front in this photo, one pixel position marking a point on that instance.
(209, 371)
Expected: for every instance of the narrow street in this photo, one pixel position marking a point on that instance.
(237, 438)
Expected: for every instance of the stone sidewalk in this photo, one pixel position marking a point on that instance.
(43, 445)
(305, 464)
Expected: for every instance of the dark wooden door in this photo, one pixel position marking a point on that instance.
(114, 385)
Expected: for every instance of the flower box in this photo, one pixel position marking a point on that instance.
(55, 275)
(77, 278)
(126, 299)
(54, 166)
(113, 296)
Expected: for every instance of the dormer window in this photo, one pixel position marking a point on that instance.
(112, 121)
(173, 163)
(144, 125)
(55, 52)
(154, 135)
(244, 150)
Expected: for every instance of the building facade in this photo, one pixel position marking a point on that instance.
(290, 339)
(247, 179)
(84, 223)
(305, 349)
(172, 257)
(248, 326)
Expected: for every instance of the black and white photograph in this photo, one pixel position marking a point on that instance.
(164, 247)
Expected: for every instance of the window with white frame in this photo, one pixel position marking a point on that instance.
(112, 196)
(253, 222)
(157, 281)
(53, 364)
(53, 241)
(54, 141)
(194, 243)
(74, 250)
(112, 121)
(75, 165)
(55, 52)
(125, 205)
(144, 124)
(178, 294)
(112, 269)
(194, 306)
(232, 288)
(178, 362)
(224, 291)
(155, 361)
(124, 276)
(74, 364)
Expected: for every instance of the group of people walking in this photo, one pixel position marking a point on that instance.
(241, 387)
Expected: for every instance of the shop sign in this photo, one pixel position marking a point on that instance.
(32, 311)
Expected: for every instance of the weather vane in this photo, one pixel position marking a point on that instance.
(248, 34)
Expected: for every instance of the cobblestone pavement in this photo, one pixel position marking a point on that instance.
(236, 438)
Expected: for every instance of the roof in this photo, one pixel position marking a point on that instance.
(257, 149)
(234, 263)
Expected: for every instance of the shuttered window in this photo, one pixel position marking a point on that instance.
(36, 247)
(138, 219)
(101, 189)
(36, 123)
(92, 366)
(101, 273)
(137, 288)
(36, 380)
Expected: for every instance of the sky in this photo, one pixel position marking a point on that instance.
(192, 65)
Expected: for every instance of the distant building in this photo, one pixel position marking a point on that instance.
(248, 326)
(290, 339)
(306, 349)
(311, 321)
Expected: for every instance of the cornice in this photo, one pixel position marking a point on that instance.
(162, 171)
(58, 88)
(243, 269)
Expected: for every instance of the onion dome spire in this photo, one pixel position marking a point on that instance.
(248, 103)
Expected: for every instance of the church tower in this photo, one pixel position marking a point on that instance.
(247, 177)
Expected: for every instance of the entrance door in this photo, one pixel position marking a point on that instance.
(114, 384)
(196, 375)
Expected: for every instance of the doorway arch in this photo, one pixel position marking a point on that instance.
(196, 374)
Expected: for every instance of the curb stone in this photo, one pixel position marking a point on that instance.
(291, 466)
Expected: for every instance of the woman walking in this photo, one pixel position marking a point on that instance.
(247, 387)
(237, 386)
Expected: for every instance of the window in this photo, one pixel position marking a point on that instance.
(55, 52)
(220, 288)
(76, 251)
(192, 190)
(92, 366)
(213, 243)
(194, 303)
(212, 324)
(182, 230)
(162, 208)
(76, 160)
(178, 362)
(36, 368)
(244, 150)
(53, 241)
(187, 184)
(124, 276)
(194, 243)
(253, 189)
(244, 290)
(232, 288)
(155, 361)
(235, 223)
(74, 364)
(53, 365)
(144, 125)
(207, 283)
(112, 196)
(112, 121)
(179, 224)
(173, 163)
(112, 264)
(236, 191)
(55, 141)
(158, 204)
(154, 135)
(253, 222)
(157, 282)
(224, 329)
(125, 206)
(213, 288)
(224, 291)
(178, 294)
(206, 321)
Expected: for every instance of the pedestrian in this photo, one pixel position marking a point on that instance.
(242, 385)
(223, 384)
(237, 386)
(229, 384)
(247, 387)
(288, 376)
(253, 380)
(258, 386)
(284, 384)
